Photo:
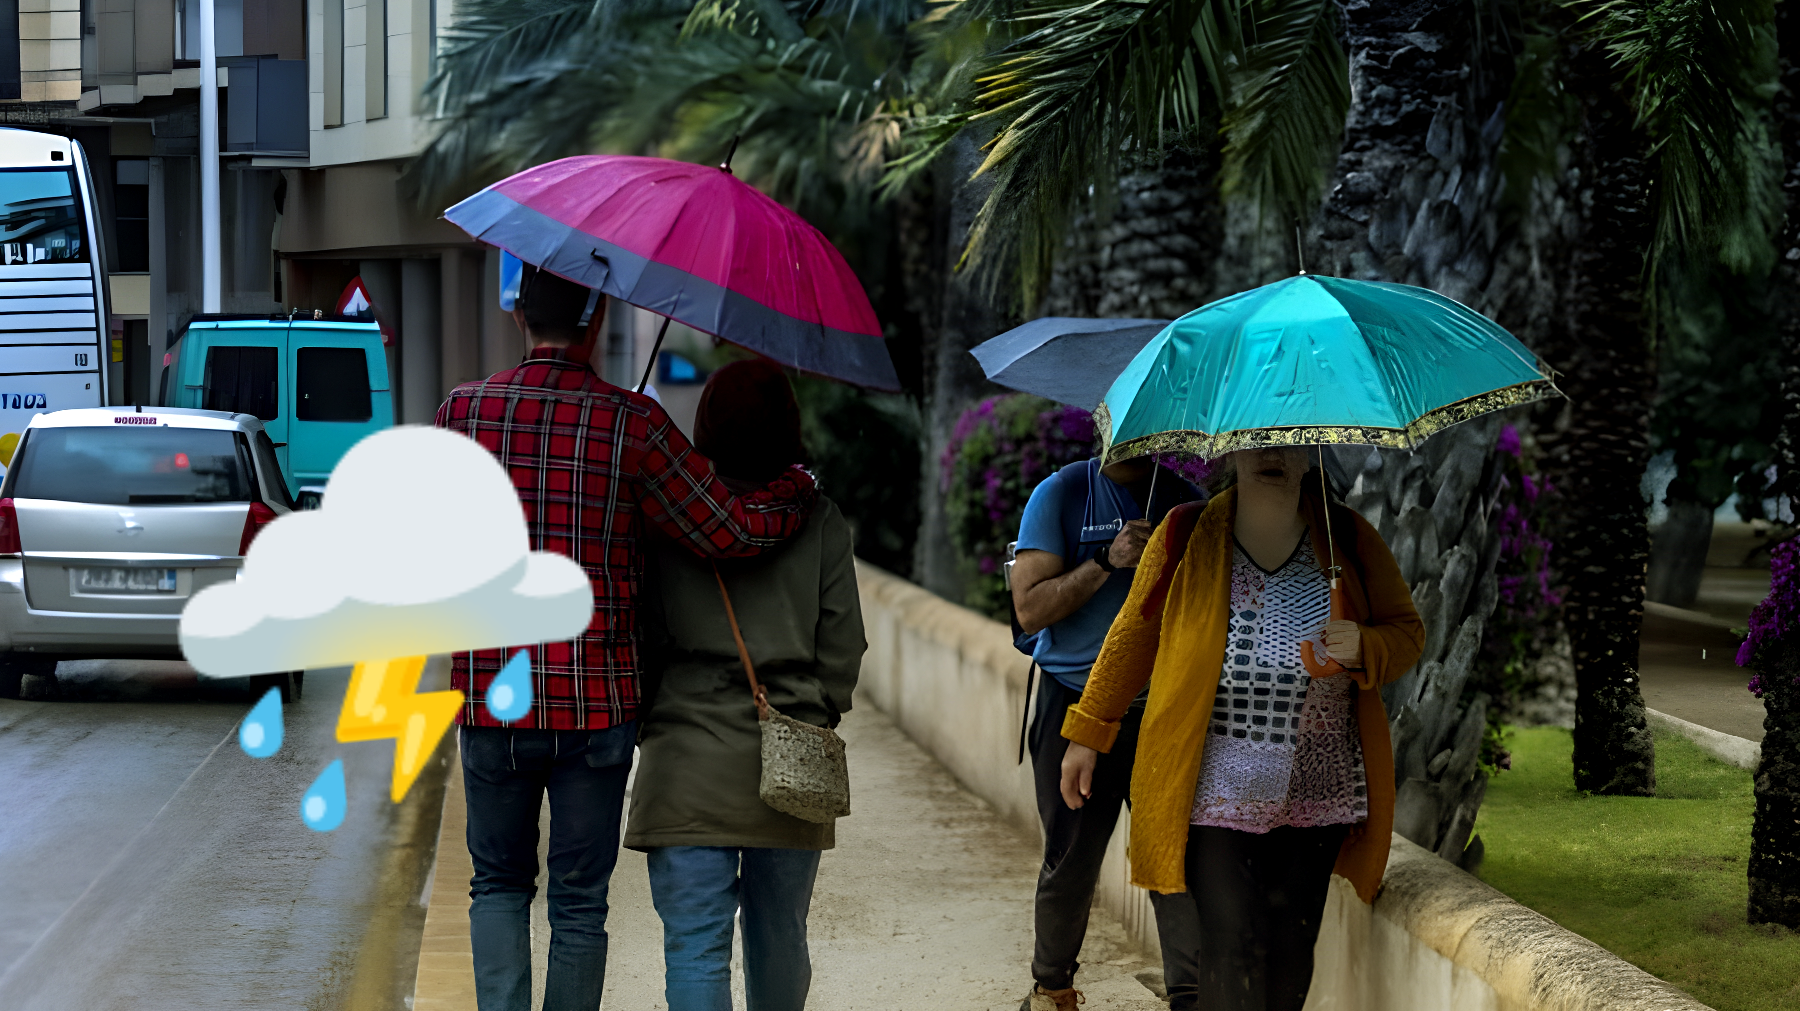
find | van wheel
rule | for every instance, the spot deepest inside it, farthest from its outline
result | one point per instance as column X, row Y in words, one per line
column 14, row 667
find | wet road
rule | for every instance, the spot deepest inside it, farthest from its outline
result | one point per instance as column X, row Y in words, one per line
column 147, row 863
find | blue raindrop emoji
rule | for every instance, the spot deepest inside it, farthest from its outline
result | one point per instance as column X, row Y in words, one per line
column 260, row 733
column 509, row 696
column 322, row 809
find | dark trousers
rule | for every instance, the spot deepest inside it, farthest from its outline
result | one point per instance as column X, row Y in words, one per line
column 1075, row 844
column 1256, row 901
column 505, row 776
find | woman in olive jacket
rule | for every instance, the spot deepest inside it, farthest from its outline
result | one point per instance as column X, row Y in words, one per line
column 714, row 847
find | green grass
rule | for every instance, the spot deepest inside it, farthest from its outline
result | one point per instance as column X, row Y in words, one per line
column 1658, row 881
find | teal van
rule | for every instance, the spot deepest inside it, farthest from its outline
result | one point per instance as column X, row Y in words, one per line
column 318, row 384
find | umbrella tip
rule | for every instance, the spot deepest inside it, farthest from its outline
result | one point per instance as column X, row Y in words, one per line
column 725, row 165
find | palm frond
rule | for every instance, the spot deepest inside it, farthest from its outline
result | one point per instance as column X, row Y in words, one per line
column 1285, row 117
column 1701, row 75
column 519, row 82
column 1073, row 87
column 1088, row 80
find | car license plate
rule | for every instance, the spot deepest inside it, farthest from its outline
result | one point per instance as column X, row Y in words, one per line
column 125, row 580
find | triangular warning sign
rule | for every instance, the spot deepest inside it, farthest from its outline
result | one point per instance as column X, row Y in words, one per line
column 355, row 301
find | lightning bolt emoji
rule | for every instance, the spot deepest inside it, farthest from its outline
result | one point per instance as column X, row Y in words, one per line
column 383, row 702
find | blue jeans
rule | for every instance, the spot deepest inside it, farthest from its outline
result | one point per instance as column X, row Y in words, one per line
column 505, row 775
column 699, row 889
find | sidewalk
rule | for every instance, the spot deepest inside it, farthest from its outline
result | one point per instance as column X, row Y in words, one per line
column 926, row 903
column 1688, row 657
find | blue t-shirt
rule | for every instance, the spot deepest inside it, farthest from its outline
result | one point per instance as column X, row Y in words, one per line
column 1075, row 513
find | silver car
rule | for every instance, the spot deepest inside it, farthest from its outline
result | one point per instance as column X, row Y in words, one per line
column 111, row 518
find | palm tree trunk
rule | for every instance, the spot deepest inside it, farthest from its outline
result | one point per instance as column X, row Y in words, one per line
column 1598, row 460
column 1774, row 867
column 1150, row 255
column 967, row 315
column 1414, row 198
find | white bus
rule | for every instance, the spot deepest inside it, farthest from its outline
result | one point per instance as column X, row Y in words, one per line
column 53, row 297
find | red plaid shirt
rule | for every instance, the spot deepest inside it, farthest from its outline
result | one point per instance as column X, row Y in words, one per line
column 592, row 464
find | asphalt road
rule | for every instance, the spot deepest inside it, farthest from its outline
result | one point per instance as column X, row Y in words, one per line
column 146, row 862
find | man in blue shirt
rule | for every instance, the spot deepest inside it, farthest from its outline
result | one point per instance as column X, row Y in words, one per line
column 1080, row 539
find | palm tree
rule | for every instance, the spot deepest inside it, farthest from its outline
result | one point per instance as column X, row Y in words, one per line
column 1669, row 157
column 1414, row 196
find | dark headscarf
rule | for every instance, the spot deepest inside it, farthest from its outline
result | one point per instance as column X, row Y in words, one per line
column 748, row 422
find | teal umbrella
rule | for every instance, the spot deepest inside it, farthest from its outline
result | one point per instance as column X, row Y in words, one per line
column 1312, row 360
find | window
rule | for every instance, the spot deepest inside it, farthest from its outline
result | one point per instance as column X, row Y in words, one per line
column 131, row 202
column 9, row 50
column 132, row 465
column 162, row 393
column 332, row 384
column 375, row 96
column 334, row 62
column 40, row 218
column 242, row 380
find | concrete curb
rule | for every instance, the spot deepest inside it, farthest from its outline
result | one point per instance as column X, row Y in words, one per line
column 1528, row 960
column 1745, row 754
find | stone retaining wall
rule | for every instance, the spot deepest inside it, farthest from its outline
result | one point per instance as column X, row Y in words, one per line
column 1437, row 939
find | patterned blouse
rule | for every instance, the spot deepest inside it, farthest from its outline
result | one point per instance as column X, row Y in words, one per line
column 1282, row 748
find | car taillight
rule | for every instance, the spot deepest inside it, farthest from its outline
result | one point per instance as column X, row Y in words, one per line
column 260, row 516
column 9, row 528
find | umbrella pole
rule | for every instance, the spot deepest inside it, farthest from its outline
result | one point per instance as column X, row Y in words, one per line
column 1330, row 546
column 651, row 365
column 1325, row 499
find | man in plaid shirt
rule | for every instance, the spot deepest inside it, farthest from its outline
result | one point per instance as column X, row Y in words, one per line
column 595, row 466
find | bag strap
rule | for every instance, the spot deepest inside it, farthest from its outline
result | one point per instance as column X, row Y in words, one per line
column 1025, row 720
column 756, row 689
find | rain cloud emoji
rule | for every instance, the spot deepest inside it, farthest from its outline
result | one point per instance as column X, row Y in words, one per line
column 419, row 547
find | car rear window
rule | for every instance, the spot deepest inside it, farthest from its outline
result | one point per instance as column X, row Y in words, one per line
column 243, row 381
column 131, row 465
column 331, row 384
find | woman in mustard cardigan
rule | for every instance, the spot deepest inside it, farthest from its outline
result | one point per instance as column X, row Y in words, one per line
column 1264, row 762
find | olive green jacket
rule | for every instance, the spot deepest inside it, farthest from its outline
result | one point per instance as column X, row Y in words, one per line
column 700, row 746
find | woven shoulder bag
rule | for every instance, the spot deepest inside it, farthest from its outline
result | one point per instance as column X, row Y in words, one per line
column 804, row 773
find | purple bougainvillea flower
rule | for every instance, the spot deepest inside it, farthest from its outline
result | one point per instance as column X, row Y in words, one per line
column 1508, row 442
column 1777, row 617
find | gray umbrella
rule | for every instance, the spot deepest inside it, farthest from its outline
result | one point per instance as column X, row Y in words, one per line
column 1071, row 361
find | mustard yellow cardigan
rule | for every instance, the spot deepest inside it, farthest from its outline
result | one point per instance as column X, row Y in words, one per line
column 1179, row 649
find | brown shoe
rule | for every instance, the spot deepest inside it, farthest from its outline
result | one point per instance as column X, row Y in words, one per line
column 1040, row 999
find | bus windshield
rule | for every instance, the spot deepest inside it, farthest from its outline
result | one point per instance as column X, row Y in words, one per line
column 40, row 219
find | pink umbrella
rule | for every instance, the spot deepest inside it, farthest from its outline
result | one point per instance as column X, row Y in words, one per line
column 696, row 244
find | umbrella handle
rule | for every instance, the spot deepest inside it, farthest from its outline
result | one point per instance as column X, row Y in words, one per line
column 654, row 348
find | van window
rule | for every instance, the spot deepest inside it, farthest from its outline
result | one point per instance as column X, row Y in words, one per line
column 131, row 465
column 243, row 381
column 332, row 384
column 162, row 392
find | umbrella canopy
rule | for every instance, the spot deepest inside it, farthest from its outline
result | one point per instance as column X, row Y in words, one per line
column 1071, row 361
column 693, row 243
column 1315, row 360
